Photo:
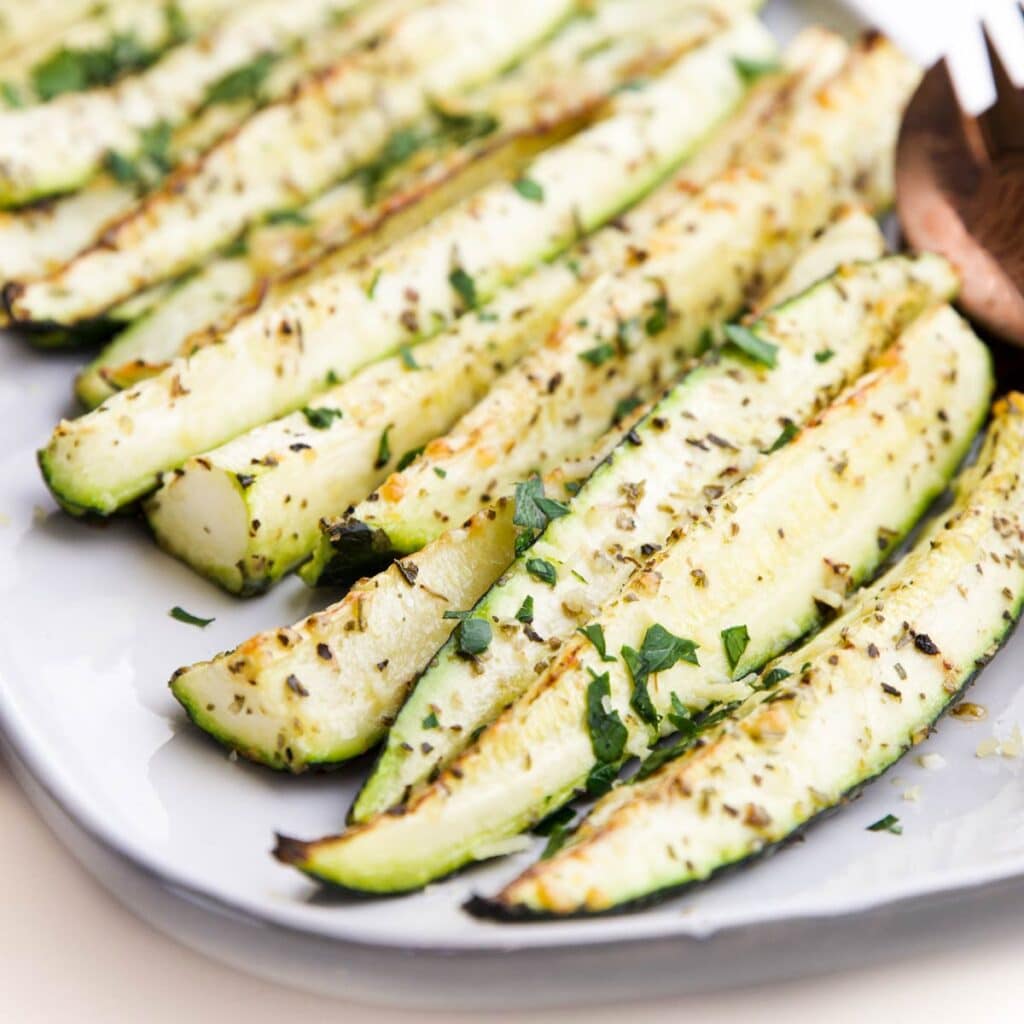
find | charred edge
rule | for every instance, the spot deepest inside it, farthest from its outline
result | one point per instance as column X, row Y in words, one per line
column 287, row 850
column 494, row 909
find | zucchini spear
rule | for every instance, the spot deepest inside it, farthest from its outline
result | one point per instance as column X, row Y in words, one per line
column 114, row 40
column 292, row 150
column 488, row 134
column 824, row 721
column 39, row 239
column 708, row 428
column 633, row 329
column 59, row 146
column 355, row 694
column 275, row 363
column 733, row 589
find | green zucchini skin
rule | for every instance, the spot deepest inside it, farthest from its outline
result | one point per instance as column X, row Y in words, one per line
column 726, row 399
column 275, row 362
column 984, row 524
column 537, row 754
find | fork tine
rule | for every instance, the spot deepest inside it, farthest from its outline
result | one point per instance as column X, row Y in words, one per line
column 1002, row 125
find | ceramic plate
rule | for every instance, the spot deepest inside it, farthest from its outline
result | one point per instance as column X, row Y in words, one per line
column 87, row 647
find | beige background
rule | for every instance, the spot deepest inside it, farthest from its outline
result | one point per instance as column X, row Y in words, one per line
column 70, row 954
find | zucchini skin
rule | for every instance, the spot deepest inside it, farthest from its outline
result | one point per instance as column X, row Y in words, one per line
column 703, row 264
column 539, row 752
column 274, row 363
column 996, row 501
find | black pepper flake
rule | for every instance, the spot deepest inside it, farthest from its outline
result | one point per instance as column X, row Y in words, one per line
column 892, row 691
column 299, row 446
column 409, row 571
column 872, row 651
column 293, row 684
column 324, row 651
column 245, row 479
column 924, row 643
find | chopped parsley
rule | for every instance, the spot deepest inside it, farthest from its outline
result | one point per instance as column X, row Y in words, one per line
column 530, row 189
column 601, row 779
column 599, row 354
column 773, row 678
column 188, row 618
column 789, row 431
column 442, row 473
column 321, row 418
column 735, row 640
column 658, row 320
column 465, row 286
column 473, row 636
column 78, row 69
column 890, row 823
column 431, row 721
column 408, row 358
column 384, row 448
column 681, row 719
column 750, row 344
column 533, row 511
column 294, row 217
column 640, row 699
column 824, row 355
column 624, row 407
column 409, row 458
column 659, row 651
column 244, row 83
column 595, row 634
column 556, row 840
column 608, row 734
column 543, row 570
column 400, row 146
column 525, row 613
column 149, row 164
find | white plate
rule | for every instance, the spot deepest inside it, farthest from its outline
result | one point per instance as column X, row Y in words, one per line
column 86, row 648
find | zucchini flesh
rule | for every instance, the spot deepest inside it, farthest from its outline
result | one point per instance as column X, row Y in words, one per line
column 275, row 364
column 877, row 456
column 57, row 147
column 632, row 330
column 248, row 512
column 707, row 428
column 351, row 221
column 859, row 695
column 290, row 151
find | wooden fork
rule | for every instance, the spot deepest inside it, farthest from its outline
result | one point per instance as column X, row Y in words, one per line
column 960, row 191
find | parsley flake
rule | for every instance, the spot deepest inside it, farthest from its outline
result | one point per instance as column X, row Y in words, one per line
column 598, row 355
column 525, row 613
column 543, row 570
column 890, row 823
column 188, row 618
column 595, row 634
column 431, row 721
column 321, row 418
column 473, row 636
column 608, row 734
column 789, row 431
column 530, row 189
column 824, row 355
column 735, row 640
column 465, row 287
column 384, row 448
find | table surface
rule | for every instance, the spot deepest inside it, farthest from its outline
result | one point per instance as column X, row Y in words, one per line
column 70, row 954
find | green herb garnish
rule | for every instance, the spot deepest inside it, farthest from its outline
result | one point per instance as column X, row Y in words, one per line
column 640, row 699
column 321, row 418
column 525, row 613
column 789, row 431
column 431, row 721
column 409, row 458
column 601, row 779
column 465, row 286
column 75, row 70
column 599, row 354
column 543, row 570
column 658, row 320
column 824, row 355
column 243, row 83
column 750, row 70
column 384, row 448
column 595, row 634
column 624, row 407
column 473, row 636
column 296, row 217
column 529, row 189
column 890, row 823
column 735, row 640
column 188, row 618
column 608, row 734
column 750, row 344
column 557, row 818
column 408, row 358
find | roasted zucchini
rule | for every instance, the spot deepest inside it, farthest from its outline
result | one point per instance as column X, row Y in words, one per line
column 824, row 721
column 631, row 331
column 733, row 589
column 708, row 429
column 276, row 363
